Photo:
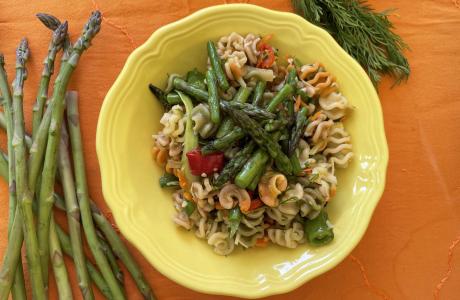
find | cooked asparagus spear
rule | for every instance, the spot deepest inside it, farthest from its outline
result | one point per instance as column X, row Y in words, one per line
column 23, row 193
column 300, row 124
column 48, row 68
column 49, row 168
column 83, row 198
column 262, row 138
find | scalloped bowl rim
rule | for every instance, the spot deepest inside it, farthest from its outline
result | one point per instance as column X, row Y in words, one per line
column 124, row 224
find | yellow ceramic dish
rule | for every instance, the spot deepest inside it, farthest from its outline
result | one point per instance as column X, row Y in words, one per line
column 143, row 211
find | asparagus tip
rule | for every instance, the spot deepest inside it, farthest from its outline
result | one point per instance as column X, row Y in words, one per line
column 48, row 20
column 22, row 53
column 60, row 34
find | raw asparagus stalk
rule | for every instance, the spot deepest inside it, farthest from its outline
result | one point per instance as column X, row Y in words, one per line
column 48, row 68
column 122, row 252
column 18, row 288
column 90, row 30
column 73, row 216
column 96, row 277
column 12, row 259
column 83, row 198
column 104, row 225
column 59, row 268
column 53, row 23
column 23, row 193
column 112, row 260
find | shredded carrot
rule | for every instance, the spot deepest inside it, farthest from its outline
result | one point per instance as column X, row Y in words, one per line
column 188, row 196
column 298, row 102
column 182, row 179
column 262, row 242
column 236, row 71
column 162, row 156
column 264, row 40
column 244, row 204
column 316, row 115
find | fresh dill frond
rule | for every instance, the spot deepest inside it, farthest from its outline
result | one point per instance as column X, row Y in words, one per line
column 365, row 34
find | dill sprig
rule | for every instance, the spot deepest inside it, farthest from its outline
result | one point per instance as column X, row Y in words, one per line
column 365, row 34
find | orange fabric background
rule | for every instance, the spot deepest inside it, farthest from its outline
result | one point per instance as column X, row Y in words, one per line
column 409, row 249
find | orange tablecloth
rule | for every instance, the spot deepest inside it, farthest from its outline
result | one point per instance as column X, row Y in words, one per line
column 410, row 249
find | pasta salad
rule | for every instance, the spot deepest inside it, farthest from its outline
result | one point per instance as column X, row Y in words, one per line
column 250, row 146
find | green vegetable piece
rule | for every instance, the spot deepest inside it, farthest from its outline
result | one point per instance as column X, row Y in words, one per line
column 189, row 207
column 296, row 167
column 190, row 139
column 303, row 95
column 213, row 99
column 160, row 95
column 173, row 98
column 190, row 90
column 258, row 97
column 196, row 79
column 223, row 143
column 285, row 92
column 292, row 77
column 299, row 129
column 227, row 125
column 168, row 180
column 217, row 66
column 256, row 180
column 318, row 231
column 234, row 165
column 234, row 219
column 262, row 138
column 252, row 168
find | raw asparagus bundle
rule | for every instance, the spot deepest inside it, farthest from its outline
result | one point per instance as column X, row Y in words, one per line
column 33, row 162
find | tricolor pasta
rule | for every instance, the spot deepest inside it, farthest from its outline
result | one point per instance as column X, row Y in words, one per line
column 252, row 146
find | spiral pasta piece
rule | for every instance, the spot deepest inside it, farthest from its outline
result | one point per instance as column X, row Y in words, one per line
column 334, row 105
column 174, row 122
column 201, row 117
column 339, row 148
column 222, row 243
column 271, row 185
column 250, row 47
column 288, row 238
column 311, row 203
column 228, row 44
column 231, row 194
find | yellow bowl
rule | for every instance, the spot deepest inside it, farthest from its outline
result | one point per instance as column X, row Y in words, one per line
column 143, row 211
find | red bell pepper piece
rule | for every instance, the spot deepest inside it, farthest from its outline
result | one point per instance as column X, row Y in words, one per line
column 207, row 164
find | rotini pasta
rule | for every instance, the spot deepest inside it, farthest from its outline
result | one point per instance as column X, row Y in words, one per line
column 288, row 238
column 202, row 120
